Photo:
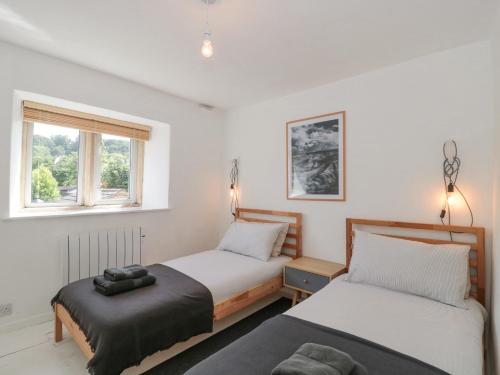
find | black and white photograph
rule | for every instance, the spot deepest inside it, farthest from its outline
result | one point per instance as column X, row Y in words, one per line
column 315, row 158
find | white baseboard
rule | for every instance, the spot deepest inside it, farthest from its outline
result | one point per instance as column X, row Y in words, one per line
column 26, row 322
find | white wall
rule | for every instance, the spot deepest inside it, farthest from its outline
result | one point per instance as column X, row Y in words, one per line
column 29, row 254
column 495, row 264
column 397, row 120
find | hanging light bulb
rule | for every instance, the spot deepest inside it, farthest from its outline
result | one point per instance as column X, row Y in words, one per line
column 452, row 199
column 451, row 196
column 207, row 50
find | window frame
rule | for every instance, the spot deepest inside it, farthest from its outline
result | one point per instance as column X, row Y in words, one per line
column 88, row 172
column 132, row 197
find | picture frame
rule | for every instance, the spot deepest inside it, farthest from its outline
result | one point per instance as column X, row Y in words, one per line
column 315, row 158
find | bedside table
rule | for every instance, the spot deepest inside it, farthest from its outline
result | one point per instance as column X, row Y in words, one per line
column 308, row 275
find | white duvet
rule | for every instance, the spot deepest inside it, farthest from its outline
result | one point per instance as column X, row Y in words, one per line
column 444, row 336
column 225, row 273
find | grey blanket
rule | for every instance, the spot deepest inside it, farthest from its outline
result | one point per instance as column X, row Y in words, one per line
column 275, row 340
column 315, row 359
column 125, row 328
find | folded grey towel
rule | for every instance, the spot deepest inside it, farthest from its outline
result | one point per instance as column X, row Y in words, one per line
column 315, row 359
column 128, row 272
column 108, row 288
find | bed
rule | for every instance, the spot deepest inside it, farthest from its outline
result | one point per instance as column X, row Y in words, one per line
column 226, row 274
column 390, row 332
column 234, row 282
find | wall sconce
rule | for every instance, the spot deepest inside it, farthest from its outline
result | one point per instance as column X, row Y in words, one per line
column 453, row 194
column 234, row 176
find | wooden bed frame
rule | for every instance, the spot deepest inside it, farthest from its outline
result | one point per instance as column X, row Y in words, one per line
column 292, row 247
column 476, row 256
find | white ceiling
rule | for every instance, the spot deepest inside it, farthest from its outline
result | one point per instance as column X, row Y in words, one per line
column 263, row 48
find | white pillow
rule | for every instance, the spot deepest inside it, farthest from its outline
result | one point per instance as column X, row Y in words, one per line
column 280, row 240
column 438, row 272
column 251, row 239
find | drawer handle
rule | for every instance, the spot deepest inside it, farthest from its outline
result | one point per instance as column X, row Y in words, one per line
column 306, row 281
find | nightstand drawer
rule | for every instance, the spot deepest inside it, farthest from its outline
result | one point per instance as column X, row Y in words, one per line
column 307, row 281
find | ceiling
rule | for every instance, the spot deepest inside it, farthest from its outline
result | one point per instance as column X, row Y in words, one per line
column 263, row 48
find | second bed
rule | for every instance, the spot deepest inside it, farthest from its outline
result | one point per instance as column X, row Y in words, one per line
column 390, row 332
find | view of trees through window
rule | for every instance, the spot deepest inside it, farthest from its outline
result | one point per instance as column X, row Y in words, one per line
column 55, row 162
column 114, row 168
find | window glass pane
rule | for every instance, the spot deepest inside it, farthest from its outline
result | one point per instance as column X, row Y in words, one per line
column 114, row 168
column 54, row 164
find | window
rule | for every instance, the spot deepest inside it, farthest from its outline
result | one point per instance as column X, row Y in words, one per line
column 74, row 159
column 114, row 168
column 54, row 165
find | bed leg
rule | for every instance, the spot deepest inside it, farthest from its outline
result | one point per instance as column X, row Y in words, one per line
column 58, row 333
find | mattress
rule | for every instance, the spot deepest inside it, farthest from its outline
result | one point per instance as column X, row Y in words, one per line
column 226, row 274
column 444, row 336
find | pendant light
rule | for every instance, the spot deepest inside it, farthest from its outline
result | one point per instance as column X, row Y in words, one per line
column 207, row 50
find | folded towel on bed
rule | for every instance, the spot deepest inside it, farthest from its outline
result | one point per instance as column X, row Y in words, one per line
column 315, row 359
column 128, row 272
column 108, row 288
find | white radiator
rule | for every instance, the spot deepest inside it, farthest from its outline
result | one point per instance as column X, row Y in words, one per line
column 88, row 254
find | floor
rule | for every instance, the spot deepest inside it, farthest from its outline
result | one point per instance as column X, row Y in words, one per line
column 182, row 362
column 32, row 350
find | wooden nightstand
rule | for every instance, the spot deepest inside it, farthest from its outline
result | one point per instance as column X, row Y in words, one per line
column 308, row 275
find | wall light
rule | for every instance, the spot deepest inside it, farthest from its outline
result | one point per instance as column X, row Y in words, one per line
column 234, row 176
column 453, row 194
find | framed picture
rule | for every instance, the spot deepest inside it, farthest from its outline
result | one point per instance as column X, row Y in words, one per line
column 316, row 158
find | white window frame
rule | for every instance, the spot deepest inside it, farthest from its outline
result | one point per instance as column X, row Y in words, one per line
column 88, row 174
column 28, row 128
column 132, row 198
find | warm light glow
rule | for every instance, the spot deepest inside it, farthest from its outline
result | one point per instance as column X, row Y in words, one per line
column 207, row 50
column 452, row 199
column 234, row 192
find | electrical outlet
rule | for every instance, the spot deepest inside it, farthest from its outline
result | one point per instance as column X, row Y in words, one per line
column 6, row 309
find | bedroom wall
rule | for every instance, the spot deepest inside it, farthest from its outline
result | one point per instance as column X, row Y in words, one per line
column 495, row 264
column 397, row 120
column 29, row 254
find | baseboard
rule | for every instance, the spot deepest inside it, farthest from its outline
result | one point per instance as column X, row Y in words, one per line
column 26, row 322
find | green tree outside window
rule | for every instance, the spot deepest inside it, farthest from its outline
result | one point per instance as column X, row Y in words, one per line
column 43, row 185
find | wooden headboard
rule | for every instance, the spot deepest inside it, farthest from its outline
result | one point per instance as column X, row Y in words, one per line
column 477, row 253
column 293, row 243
